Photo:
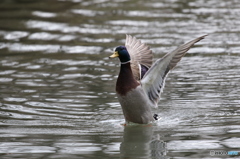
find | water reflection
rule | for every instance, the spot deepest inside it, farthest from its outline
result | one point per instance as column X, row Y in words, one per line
column 14, row 35
column 44, row 14
column 139, row 142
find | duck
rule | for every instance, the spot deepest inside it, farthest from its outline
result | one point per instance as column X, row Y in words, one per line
column 140, row 81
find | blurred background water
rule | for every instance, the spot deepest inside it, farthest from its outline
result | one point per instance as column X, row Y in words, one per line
column 57, row 96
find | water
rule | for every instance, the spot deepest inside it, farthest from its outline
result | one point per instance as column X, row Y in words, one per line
column 57, row 84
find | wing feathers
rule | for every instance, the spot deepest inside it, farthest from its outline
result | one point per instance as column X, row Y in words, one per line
column 154, row 80
column 140, row 53
column 181, row 51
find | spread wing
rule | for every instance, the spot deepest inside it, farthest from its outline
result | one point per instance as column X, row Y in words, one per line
column 153, row 81
column 141, row 55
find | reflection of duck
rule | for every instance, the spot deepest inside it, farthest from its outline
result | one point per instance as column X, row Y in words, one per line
column 138, row 142
column 140, row 83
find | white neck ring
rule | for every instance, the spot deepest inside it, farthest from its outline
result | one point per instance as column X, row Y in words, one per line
column 125, row 62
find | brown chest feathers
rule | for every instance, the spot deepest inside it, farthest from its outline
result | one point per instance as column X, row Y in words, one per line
column 125, row 81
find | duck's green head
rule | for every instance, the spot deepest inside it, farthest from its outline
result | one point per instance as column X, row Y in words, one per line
column 122, row 53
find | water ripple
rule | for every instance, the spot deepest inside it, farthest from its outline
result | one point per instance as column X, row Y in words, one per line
column 57, row 84
column 44, row 14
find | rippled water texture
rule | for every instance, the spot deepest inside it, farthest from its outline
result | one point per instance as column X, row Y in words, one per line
column 57, row 96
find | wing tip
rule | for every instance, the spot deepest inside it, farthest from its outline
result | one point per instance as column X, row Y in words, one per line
column 127, row 36
column 201, row 37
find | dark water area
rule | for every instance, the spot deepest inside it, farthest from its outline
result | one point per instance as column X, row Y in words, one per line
column 57, row 95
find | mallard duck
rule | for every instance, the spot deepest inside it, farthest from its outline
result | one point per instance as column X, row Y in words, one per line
column 140, row 82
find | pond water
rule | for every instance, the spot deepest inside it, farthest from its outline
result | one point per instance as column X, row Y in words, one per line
column 57, row 95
